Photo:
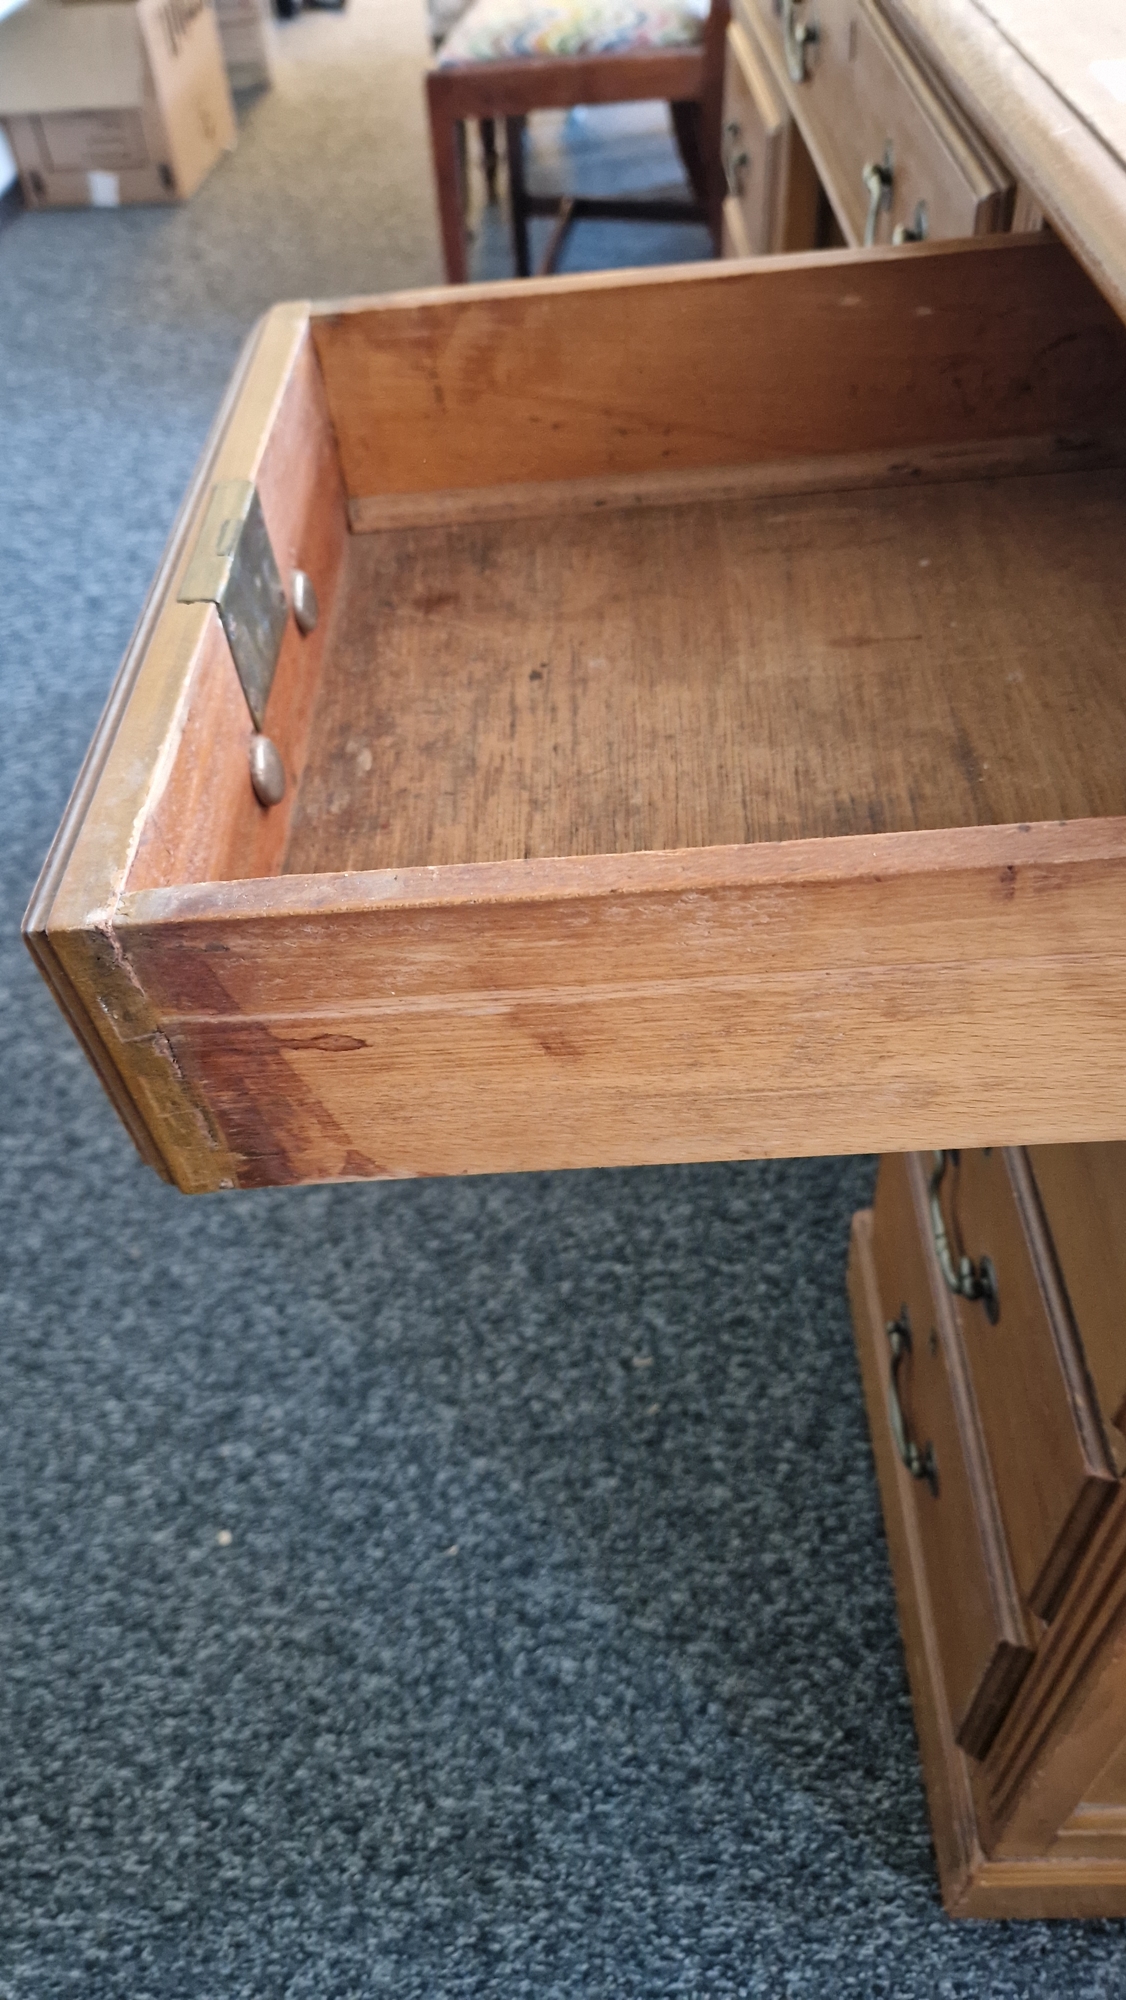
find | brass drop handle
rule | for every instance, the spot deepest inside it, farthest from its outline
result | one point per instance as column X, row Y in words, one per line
column 735, row 163
column 965, row 1279
column 916, row 231
column 797, row 37
column 920, row 1464
column 879, row 179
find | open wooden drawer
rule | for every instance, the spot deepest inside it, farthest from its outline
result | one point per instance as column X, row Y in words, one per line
column 713, row 742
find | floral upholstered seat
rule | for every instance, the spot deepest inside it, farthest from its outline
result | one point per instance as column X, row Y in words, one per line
column 505, row 30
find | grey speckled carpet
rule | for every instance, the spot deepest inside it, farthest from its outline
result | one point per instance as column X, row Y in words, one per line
column 422, row 1590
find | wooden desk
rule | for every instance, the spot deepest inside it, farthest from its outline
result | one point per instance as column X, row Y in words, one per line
column 1047, row 86
column 998, row 1446
column 711, row 744
column 1016, row 94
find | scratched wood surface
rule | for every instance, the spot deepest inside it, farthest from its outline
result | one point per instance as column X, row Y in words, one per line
column 749, row 671
column 205, row 824
column 741, row 679
column 794, row 997
column 620, row 373
column 68, row 923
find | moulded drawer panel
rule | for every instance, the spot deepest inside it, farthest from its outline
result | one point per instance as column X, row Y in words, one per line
column 1083, row 1193
column 983, row 1637
column 865, row 103
column 734, row 241
column 1040, row 1419
column 755, row 123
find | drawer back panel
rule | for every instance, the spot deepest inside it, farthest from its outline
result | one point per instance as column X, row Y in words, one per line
column 630, row 376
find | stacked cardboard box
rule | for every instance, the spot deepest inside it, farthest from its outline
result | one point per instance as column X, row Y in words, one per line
column 246, row 33
column 113, row 101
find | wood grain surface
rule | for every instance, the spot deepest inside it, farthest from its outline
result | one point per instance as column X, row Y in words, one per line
column 1098, row 1824
column 804, row 997
column 621, row 373
column 756, row 129
column 1038, row 1414
column 72, row 1000
column 68, row 924
column 758, row 670
column 505, row 89
column 1083, row 1191
column 864, row 91
column 1069, row 1716
column 1079, row 51
column 205, row 824
column 1062, row 1881
column 1019, row 82
column 985, row 1638
column 559, row 959
column 549, row 499
column 949, row 1799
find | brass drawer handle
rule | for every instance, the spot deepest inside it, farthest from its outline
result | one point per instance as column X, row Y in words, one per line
column 879, row 179
column 916, row 232
column 735, row 164
column 965, row 1279
column 797, row 37
column 920, row 1464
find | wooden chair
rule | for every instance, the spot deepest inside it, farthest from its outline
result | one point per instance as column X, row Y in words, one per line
column 444, row 16
column 501, row 61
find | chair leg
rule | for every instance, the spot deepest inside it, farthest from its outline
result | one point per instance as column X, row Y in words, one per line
column 489, row 149
column 450, row 183
column 517, row 191
column 687, row 124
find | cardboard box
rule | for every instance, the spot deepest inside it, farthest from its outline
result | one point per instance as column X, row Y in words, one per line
column 246, row 32
column 246, row 37
column 113, row 102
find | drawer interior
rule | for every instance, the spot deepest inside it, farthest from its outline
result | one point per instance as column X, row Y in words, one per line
column 818, row 546
column 722, row 671
column 710, row 744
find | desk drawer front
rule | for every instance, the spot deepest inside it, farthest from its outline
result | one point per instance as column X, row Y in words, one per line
column 755, row 124
column 1038, row 1412
column 645, row 797
column 1082, row 1190
column 984, row 1640
column 897, row 159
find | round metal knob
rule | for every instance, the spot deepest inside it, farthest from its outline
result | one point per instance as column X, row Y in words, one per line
column 267, row 772
column 306, row 610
